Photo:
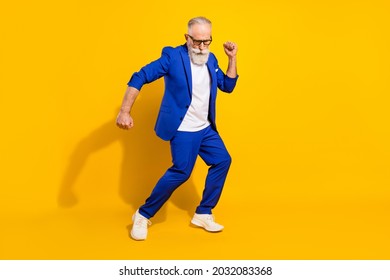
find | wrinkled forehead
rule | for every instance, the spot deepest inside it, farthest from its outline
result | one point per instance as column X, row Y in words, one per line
column 200, row 30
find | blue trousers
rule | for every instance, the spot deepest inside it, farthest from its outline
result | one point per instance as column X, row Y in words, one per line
column 185, row 147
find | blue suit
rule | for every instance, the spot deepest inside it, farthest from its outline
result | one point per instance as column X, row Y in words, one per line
column 174, row 65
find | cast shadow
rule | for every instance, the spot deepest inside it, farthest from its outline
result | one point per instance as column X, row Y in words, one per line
column 145, row 159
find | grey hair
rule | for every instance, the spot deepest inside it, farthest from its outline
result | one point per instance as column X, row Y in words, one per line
column 198, row 20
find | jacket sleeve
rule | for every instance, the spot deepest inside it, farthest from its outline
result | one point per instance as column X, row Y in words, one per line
column 151, row 71
column 225, row 83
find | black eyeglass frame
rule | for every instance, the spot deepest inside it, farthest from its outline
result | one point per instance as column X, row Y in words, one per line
column 199, row 42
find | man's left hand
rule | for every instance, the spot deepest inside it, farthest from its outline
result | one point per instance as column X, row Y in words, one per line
column 230, row 49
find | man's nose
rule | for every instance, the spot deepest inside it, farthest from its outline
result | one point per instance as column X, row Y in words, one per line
column 202, row 46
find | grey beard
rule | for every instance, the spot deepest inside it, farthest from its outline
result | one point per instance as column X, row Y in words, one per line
column 199, row 57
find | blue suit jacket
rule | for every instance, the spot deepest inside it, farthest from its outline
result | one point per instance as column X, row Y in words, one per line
column 174, row 65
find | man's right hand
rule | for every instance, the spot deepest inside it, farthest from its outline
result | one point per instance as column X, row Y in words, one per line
column 124, row 120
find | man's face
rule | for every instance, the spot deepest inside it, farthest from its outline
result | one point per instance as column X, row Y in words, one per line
column 198, row 41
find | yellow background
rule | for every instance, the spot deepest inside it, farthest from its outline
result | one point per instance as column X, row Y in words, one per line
column 307, row 127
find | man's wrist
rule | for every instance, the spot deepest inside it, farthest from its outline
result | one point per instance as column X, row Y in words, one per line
column 125, row 111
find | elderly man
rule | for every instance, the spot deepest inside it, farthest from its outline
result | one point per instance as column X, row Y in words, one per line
column 186, row 119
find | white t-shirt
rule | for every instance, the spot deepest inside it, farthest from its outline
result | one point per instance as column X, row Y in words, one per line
column 196, row 117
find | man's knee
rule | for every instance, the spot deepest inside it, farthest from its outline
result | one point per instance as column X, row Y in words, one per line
column 225, row 161
column 183, row 176
column 180, row 175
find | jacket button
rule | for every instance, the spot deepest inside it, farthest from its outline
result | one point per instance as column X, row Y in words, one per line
column 181, row 118
column 187, row 106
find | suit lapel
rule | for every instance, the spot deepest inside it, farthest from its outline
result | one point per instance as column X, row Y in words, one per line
column 213, row 78
column 211, row 68
column 187, row 68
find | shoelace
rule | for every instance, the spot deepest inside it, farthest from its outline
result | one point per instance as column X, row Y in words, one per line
column 211, row 218
column 142, row 222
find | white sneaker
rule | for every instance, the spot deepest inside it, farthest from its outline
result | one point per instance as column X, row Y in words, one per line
column 140, row 227
column 207, row 222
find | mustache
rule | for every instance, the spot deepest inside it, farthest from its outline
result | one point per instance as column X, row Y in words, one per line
column 200, row 52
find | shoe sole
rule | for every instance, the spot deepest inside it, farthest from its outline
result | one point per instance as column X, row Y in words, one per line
column 201, row 224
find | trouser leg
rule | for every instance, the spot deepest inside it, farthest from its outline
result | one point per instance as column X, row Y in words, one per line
column 214, row 153
column 184, row 149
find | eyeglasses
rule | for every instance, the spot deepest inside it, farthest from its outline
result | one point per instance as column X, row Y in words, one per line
column 199, row 42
